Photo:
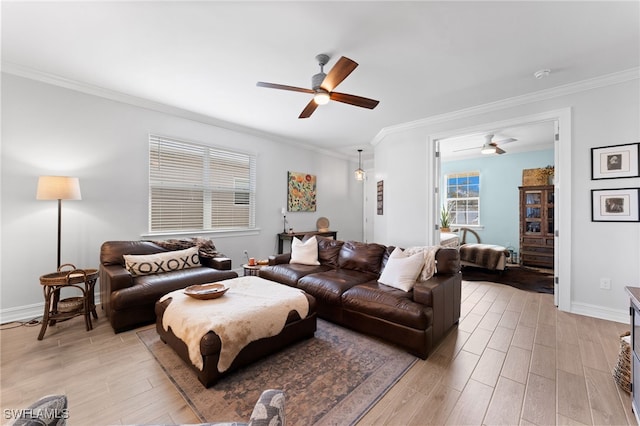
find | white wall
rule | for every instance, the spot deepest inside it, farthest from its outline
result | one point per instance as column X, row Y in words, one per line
column 50, row 130
column 601, row 116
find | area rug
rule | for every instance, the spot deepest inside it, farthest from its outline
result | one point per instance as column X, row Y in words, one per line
column 521, row 277
column 333, row 378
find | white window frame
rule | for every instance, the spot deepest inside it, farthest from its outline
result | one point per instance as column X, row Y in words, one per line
column 196, row 176
column 449, row 200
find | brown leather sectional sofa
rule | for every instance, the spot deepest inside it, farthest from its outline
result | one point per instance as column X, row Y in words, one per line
column 347, row 292
column 129, row 301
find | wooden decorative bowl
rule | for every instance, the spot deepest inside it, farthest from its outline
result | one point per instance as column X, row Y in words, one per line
column 206, row 291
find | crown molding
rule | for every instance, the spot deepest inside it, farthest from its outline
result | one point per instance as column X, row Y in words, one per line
column 78, row 86
column 555, row 92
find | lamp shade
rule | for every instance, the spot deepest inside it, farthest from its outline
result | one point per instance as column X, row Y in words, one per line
column 58, row 188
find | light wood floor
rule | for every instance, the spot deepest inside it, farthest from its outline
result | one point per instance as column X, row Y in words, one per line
column 514, row 359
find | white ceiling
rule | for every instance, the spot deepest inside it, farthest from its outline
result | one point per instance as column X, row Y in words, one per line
column 418, row 58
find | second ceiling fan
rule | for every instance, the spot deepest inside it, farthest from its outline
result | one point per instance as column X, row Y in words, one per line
column 490, row 146
column 322, row 86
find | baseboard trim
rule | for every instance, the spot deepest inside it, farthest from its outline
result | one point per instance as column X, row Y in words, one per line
column 28, row 312
column 589, row 310
column 22, row 313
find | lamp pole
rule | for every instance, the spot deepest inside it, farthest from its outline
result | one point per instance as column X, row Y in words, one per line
column 59, row 227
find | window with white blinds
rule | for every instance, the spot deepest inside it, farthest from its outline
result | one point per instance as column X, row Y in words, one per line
column 196, row 187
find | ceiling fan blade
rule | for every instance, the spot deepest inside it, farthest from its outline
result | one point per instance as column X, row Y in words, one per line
column 338, row 73
column 499, row 150
column 503, row 141
column 467, row 149
column 354, row 100
column 308, row 110
column 283, row 87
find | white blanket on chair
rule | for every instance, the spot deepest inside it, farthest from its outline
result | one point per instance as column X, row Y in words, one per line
column 252, row 308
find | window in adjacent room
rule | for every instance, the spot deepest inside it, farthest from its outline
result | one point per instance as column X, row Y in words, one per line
column 463, row 198
column 195, row 187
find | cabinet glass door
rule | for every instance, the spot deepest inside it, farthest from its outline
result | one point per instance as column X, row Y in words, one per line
column 533, row 212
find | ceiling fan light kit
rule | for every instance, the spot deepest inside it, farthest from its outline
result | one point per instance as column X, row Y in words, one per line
column 321, row 97
column 322, row 86
column 488, row 149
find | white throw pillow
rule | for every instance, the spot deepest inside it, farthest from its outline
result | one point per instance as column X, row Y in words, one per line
column 304, row 253
column 401, row 270
column 157, row 263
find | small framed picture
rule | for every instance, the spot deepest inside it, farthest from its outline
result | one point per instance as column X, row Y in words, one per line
column 615, row 205
column 616, row 161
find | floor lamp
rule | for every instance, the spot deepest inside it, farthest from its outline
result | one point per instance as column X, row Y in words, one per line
column 58, row 188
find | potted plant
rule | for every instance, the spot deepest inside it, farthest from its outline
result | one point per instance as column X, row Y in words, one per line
column 445, row 219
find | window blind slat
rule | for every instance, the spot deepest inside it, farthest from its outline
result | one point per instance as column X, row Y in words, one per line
column 198, row 187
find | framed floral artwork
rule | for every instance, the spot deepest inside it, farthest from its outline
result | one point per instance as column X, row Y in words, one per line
column 616, row 161
column 301, row 192
column 615, row 205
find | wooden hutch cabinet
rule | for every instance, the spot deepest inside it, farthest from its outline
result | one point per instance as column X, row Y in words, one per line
column 536, row 226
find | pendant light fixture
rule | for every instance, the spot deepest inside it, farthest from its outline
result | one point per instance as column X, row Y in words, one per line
column 359, row 172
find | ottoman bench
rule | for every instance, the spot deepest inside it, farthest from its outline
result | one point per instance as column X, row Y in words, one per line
column 202, row 332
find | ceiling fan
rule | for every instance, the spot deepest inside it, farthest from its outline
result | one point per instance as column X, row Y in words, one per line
column 490, row 146
column 322, row 86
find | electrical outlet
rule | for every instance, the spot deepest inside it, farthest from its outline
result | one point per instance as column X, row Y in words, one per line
column 605, row 283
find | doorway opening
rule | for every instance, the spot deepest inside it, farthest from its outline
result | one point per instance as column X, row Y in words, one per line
column 527, row 143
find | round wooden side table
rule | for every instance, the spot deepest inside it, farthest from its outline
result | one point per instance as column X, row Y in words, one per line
column 61, row 310
column 251, row 270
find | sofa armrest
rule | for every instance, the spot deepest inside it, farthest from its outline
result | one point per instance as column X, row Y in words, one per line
column 115, row 277
column 443, row 293
column 219, row 263
column 278, row 259
column 269, row 410
column 447, row 260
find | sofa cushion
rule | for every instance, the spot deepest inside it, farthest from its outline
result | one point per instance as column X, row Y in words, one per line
column 402, row 270
column 304, row 253
column 364, row 257
column 206, row 247
column 147, row 289
column 111, row 251
column 162, row 262
column 328, row 286
column 328, row 251
column 391, row 304
column 289, row 273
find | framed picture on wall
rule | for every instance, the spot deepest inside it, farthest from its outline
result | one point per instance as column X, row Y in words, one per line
column 615, row 205
column 301, row 192
column 380, row 196
column 616, row 161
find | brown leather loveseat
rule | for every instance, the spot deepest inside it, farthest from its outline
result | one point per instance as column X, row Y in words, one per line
column 128, row 300
column 347, row 292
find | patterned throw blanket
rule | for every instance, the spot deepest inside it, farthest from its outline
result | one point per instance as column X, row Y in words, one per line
column 252, row 308
column 485, row 255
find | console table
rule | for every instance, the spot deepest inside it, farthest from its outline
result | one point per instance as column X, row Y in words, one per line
column 289, row 236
